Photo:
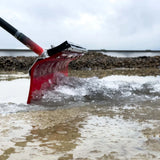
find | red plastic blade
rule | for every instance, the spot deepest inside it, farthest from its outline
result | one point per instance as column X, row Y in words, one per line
column 46, row 74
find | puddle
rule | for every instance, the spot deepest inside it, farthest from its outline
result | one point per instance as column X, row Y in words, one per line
column 109, row 118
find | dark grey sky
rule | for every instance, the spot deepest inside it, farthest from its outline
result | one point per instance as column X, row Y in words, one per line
column 94, row 24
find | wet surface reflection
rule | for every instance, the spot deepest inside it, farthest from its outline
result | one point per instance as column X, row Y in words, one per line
column 81, row 133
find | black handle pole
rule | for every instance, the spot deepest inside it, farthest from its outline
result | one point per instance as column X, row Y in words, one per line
column 21, row 37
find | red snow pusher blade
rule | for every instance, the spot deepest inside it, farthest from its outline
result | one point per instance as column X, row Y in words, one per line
column 47, row 73
column 51, row 65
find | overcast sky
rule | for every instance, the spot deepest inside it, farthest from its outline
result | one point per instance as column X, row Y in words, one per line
column 94, row 24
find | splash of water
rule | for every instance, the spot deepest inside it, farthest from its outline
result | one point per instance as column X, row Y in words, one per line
column 111, row 90
column 72, row 91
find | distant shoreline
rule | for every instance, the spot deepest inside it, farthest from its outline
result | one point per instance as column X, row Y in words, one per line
column 104, row 50
column 90, row 50
column 90, row 61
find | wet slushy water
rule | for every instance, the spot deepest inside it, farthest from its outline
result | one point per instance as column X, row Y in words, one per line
column 106, row 118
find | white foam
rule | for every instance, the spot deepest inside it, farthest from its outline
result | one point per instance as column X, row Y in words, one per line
column 113, row 83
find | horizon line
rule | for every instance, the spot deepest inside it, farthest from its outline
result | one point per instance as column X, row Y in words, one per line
column 96, row 50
